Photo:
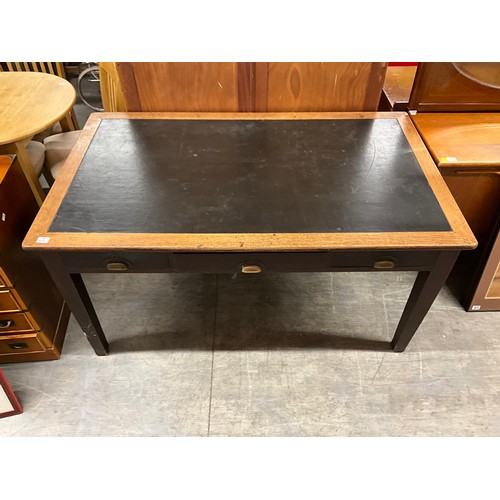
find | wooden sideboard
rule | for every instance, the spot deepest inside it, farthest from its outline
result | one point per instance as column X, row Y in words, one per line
column 33, row 315
column 485, row 296
column 250, row 86
column 458, row 117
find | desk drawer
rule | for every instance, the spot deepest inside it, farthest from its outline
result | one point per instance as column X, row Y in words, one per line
column 16, row 322
column 381, row 260
column 302, row 261
column 9, row 302
column 116, row 261
column 15, row 344
column 4, row 282
column 250, row 262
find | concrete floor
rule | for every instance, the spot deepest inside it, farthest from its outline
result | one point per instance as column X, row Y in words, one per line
column 268, row 355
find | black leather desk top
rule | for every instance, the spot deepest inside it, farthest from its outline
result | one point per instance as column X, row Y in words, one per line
column 249, row 176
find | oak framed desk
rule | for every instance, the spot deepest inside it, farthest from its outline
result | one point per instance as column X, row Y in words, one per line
column 249, row 193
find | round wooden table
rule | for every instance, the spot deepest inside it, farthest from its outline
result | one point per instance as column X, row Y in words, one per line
column 29, row 103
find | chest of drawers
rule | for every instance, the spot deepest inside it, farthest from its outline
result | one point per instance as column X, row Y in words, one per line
column 33, row 316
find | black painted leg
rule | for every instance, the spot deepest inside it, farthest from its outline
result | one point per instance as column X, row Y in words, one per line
column 424, row 291
column 75, row 294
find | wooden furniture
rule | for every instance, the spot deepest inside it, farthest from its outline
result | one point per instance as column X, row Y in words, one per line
column 466, row 148
column 485, row 296
column 52, row 68
column 51, row 163
column 111, row 91
column 30, row 103
column 453, row 87
column 246, row 87
column 397, row 88
column 33, row 317
column 249, row 193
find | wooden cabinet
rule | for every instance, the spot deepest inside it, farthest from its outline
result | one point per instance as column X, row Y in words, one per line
column 447, row 86
column 456, row 109
column 250, row 86
column 485, row 296
column 33, row 316
column 397, row 88
column 312, row 86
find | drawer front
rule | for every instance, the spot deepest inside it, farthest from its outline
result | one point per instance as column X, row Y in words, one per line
column 235, row 262
column 16, row 322
column 383, row 260
column 8, row 302
column 16, row 344
column 116, row 261
column 303, row 262
column 4, row 282
column 250, row 262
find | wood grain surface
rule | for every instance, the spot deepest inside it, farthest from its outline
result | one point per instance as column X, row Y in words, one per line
column 251, row 86
column 466, row 147
column 461, row 139
column 316, row 86
column 443, row 86
column 180, row 86
column 31, row 102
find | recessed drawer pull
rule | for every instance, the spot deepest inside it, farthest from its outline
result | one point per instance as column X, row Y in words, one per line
column 6, row 323
column 384, row 264
column 116, row 266
column 18, row 345
column 251, row 268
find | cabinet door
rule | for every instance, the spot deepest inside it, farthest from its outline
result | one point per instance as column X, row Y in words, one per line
column 486, row 294
column 447, row 86
column 180, row 86
column 247, row 87
column 316, row 86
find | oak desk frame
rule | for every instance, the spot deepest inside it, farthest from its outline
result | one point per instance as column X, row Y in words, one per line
column 67, row 255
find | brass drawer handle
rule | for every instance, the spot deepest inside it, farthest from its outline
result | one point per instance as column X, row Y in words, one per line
column 6, row 323
column 18, row 345
column 116, row 266
column 251, row 268
column 384, row 264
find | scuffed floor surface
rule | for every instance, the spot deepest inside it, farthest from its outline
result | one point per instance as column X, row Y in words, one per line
column 269, row 355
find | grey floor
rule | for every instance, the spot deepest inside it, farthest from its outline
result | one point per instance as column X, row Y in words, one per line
column 267, row 355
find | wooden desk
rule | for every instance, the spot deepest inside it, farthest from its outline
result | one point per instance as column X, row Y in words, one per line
column 30, row 103
column 241, row 193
